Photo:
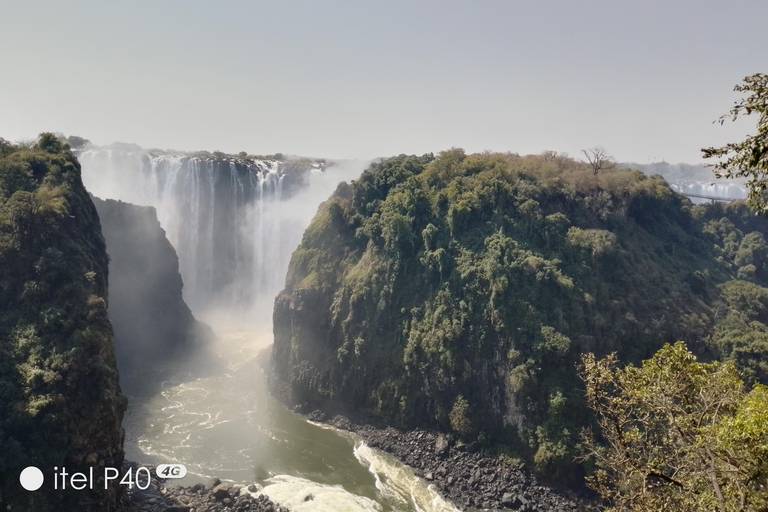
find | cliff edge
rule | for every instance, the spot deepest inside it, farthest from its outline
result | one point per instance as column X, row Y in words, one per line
column 152, row 323
column 60, row 400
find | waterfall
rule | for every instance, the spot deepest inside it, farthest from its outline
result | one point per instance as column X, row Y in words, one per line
column 232, row 221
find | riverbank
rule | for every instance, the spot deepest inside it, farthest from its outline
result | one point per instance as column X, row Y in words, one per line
column 469, row 480
column 213, row 496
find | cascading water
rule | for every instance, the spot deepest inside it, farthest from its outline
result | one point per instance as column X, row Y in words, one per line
column 207, row 207
column 234, row 223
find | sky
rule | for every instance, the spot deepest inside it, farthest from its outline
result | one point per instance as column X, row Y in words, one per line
column 364, row 79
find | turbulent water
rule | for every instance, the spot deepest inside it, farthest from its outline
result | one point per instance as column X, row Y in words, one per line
column 234, row 231
column 228, row 426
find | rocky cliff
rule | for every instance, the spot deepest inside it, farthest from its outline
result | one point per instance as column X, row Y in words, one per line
column 457, row 293
column 217, row 211
column 152, row 323
column 60, row 401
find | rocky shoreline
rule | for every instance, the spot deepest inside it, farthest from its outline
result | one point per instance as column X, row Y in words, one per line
column 469, row 480
column 213, row 496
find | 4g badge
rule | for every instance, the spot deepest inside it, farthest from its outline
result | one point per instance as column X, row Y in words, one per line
column 171, row 471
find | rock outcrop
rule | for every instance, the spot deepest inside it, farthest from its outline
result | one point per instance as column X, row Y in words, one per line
column 60, row 399
column 152, row 323
column 457, row 293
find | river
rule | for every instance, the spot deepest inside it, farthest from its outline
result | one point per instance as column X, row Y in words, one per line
column 227, row 425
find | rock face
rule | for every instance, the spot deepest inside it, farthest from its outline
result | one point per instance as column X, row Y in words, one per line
column 60, row 400
column 152, row 322
column 214, row 207
column 458, row 292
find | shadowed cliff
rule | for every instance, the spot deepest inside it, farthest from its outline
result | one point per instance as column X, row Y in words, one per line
column 153, row 325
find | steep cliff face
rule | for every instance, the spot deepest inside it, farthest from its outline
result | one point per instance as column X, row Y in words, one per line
column 60, row 400
column 458, row 293
column 215, row 208
column 152, row 323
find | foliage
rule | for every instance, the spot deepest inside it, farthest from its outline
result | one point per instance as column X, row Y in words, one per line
column 59, row 393
column 460, row 417
column 484, row 276
column 678, row 434
column 73, row 141
column 748, row 158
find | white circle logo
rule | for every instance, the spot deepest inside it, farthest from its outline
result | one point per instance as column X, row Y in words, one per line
column 31, row 478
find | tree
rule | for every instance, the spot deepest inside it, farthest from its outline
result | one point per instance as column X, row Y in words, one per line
column 599, row 159
column 48, row 142
column 749, row 158
column 76, row 142
column 678, row 434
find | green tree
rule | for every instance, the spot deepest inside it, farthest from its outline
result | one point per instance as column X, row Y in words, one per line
column 49, row 143
column 748, row 158
column 678, row 434
column 460, row 417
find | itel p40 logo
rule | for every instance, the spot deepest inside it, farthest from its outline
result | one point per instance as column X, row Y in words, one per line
column 32, row 478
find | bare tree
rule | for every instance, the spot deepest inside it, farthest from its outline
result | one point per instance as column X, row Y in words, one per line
column 599, row 159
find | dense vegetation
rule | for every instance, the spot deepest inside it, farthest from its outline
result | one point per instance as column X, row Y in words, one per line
column 679, row 435
column 458, row 291
column 60, row 401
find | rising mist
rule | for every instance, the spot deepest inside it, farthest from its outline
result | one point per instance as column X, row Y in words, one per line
column 234, row 222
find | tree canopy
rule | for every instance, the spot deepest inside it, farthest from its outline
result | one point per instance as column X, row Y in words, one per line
column 679, row 434
column 748, row 158
column 441, row 289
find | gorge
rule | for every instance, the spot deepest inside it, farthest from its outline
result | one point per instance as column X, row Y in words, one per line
column 426, row 293
column 222, row 422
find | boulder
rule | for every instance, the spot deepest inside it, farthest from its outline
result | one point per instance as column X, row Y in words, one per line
column 441, row 446
column 221, row 491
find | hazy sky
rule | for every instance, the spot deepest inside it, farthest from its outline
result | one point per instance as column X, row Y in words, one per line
column 356, row 78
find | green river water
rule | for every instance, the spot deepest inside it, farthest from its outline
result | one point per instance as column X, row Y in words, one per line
column 227, row 425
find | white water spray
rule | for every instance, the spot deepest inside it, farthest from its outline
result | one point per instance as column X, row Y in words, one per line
column 229, row 218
